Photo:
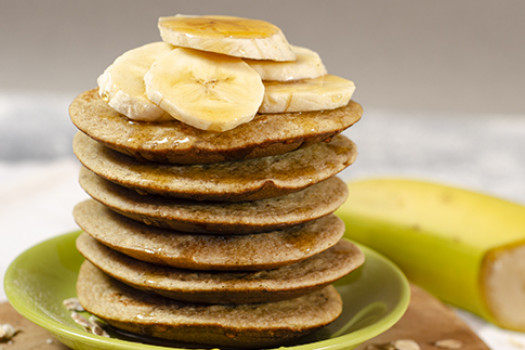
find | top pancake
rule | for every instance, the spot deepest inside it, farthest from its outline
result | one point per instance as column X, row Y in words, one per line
column 175, row 142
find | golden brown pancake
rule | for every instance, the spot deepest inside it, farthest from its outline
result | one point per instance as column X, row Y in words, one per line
column 286, row 282
column 228, row 181
column 218, row 217
column 244, row 325
column 257, row 251
column 175, row 142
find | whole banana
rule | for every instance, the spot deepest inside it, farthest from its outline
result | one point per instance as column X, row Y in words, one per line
column 465, row 247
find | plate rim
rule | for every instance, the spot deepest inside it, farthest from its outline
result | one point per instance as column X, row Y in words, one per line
column 65, row 331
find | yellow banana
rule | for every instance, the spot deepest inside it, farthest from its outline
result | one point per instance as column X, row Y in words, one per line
column 465, row 247
column 122, row 83
column 307, row 65
column 233, row 36
column 205, row 90
column 325, row 92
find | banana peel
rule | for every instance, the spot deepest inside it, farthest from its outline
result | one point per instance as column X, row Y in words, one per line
column 464, row 247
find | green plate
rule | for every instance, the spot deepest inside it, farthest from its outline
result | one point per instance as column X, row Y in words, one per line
column 374, row 297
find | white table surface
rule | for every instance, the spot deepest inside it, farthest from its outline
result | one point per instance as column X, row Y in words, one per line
column 38, row 174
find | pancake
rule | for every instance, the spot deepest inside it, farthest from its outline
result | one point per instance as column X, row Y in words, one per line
column 229, row 181
column 286, row 282
column 245, row 325
column 257, row 251
column 175, row 142
column 218, row 217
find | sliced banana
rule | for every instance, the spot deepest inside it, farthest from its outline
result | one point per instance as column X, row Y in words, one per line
column 325, row 92
column 122, row 83
column 234, row 36
column 307, row 65
column 206, row 90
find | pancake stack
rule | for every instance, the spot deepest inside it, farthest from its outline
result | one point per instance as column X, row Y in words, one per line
column 215, row 233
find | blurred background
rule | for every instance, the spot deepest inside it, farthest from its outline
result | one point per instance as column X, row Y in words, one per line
column 441, row 83
column 446, row 56
column 452, row 55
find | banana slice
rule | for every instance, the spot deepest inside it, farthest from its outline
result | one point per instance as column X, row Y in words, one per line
column 326, row 92
column 234, row 36
column 122, row 83
column 205, row 90
column 307, row 65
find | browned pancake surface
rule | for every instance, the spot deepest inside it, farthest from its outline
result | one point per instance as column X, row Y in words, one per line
column 245, row 325
column 208, row 252
column 175, row 142
column 226, row 287
column 218, row 217
column 228, row 181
